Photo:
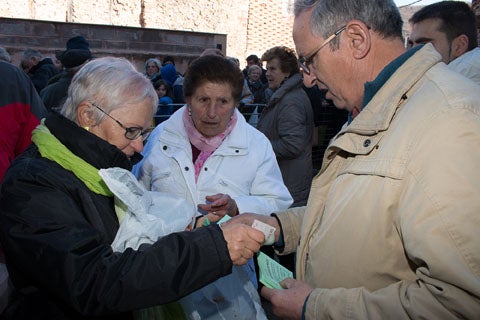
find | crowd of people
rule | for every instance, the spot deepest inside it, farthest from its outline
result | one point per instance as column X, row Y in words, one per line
column 387, row 228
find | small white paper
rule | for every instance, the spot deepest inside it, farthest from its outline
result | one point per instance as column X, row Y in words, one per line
column 267, row 230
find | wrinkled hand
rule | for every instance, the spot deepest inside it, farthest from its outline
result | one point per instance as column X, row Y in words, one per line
column 248, row 218
column 288, row 303
column 219, row 205
column 242, row 241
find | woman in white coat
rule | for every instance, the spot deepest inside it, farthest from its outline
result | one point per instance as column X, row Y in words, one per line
column 208, row 154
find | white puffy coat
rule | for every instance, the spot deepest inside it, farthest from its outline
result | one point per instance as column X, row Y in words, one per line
column 244, row 167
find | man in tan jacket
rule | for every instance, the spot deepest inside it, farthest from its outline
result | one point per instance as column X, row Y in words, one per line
column 391, row 227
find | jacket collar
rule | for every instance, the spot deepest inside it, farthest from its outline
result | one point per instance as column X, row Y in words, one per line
column 295, row 81
column 175, row 134
column 46, row 61
column 368, row 128
column 372, row 87
column 94, row 150
column 378, row 113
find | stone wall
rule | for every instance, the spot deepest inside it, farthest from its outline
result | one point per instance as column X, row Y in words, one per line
column 250, row 26
column 135, row 44
column 225, row 20
column 269, row 24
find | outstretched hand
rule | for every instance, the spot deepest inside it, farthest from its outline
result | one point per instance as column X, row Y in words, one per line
column 248, row 218
column 288, row 303
column 242, row 241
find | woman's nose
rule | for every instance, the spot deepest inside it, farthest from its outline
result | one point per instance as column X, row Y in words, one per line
column 137, row 144
column 211, row 111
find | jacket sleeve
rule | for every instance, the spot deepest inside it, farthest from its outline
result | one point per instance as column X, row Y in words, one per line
column 20, row 112
column 291, row 221
column 438, row 223
column 33, row 111
column 49, row 240
column 267, row 192
column 291, row 125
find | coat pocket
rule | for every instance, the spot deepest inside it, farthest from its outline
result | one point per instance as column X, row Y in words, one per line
column 394, row 168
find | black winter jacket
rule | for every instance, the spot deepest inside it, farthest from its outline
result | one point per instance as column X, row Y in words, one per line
column 42, row 72
column 56, row 234
column 54, row 94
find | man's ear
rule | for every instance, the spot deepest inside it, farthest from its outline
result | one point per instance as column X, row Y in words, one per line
column 85, row 114
column 359, row 38
column 459, row 46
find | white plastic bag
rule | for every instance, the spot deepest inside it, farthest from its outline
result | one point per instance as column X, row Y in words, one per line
column 230, row 297
column 145, row 215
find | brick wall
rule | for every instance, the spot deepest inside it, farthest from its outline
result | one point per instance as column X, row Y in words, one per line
column 225, row 21
column 269, row 24
column 135, row 44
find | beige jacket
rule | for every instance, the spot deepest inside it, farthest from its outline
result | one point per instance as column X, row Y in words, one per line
column 392, row 226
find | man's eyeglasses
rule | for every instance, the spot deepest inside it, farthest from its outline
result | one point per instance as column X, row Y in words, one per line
column 305, row 61
column 131, row 133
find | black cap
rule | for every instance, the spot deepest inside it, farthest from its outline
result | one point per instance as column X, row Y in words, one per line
column 168, row 59
column 78, row 51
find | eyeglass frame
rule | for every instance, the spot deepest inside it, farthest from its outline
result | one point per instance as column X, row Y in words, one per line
column 137, row 131
column 304, row 61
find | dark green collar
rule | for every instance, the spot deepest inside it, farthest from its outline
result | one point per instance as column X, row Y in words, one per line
column 371, row 88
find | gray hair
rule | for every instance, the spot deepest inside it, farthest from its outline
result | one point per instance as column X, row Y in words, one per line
column 154, row 60
column 382, row 16
column 111, row 83
column 4, row 55
column 253, row 67
column 30, row 53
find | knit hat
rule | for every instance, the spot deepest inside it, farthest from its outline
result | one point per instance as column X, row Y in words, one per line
column 168, row 59
column 78, row 51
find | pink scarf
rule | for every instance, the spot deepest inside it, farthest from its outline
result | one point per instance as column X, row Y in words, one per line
column 206, row 145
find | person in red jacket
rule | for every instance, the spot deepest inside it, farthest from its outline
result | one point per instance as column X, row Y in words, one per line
column 20, row 112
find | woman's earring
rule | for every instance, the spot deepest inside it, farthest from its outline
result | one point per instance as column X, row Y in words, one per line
column 189, row 112
column 86, row 128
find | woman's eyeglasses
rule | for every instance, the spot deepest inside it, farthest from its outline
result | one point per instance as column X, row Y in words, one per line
column 131, row 133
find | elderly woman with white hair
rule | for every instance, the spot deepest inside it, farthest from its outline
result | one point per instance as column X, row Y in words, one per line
column 152, row 69
column 58, row 218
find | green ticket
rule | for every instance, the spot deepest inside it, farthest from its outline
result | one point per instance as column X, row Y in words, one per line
column 271, row 272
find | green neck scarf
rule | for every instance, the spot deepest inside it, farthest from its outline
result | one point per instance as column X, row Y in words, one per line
column 51, row 148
